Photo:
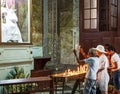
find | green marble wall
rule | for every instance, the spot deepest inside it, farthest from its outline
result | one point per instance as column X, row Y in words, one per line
column 37, row 22
column 69, row 29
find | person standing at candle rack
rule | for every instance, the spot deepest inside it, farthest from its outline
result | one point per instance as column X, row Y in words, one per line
column 91, row 75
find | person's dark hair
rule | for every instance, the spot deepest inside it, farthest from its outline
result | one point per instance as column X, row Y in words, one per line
column 111, row 48
column 107, row 45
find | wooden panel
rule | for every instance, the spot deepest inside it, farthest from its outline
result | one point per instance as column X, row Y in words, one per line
column 91, row 39
column 116, row 43
column 88, row 43
column 94, row 42
column 106, row 40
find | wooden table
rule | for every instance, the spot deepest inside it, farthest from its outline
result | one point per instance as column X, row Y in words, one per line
column 62, row 78
column 27, row 85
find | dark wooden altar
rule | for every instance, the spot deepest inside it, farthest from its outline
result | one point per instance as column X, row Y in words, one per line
column 39, row 62
column 39, row 67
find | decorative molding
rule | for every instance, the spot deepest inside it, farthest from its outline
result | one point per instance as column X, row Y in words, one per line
column 16, row 54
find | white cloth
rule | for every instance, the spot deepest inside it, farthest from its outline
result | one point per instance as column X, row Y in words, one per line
column 103, row 76
column 10, row 30
column 93, row 63
column 4, row 33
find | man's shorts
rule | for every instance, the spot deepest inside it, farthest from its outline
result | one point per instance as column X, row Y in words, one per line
column 90, row 86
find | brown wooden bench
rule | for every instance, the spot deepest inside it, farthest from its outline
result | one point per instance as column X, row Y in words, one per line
column 27, row 85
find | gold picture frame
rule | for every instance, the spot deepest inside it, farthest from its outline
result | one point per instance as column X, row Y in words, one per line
column 15, row 21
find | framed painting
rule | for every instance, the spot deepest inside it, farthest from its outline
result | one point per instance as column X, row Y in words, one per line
column 15, row 21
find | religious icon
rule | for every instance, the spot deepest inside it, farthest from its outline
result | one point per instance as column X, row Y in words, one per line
column 15, row 21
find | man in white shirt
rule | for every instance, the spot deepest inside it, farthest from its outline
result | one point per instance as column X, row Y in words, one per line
column 91, row 75
column 115, row 68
